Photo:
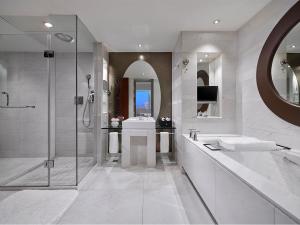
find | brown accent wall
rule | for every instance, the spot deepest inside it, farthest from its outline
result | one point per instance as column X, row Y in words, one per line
column 161, row 63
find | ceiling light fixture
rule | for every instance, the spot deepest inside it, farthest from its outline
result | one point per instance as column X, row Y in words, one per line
column 201, row 60
column 293, row 46
column 141, row 57
column 48, row 25
column 206, row 55
column 140, row 45
column 217, row 21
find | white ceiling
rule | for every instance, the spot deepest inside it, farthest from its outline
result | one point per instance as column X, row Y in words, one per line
column 123, row 24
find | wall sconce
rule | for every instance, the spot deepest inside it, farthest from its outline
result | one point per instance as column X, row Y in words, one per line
column 185, row 63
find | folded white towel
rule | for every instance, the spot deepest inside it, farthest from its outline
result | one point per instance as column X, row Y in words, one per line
column 246, row 143
column 113, row 142
column 164, row 142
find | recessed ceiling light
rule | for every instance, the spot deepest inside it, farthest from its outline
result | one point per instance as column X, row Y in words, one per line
column 141, row 57
column 217, row 21
column 48, row 25
column 201, row 60
column 206, row 55
column 293, row 46
column 140, row 45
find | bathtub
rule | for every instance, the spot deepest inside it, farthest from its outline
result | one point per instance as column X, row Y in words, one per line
column 244, row 187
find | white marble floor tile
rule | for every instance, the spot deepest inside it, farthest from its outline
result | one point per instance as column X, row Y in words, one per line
column 161, row 206
column 35, row 206
column 111, row 195
column 111, row 180
column 106, row 207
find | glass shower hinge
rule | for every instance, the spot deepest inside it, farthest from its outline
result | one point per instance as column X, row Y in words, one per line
column 49, row 163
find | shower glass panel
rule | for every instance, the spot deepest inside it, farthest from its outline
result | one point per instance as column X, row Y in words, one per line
column 86, row 89
column 46, row 101
column 63, row 43
column 24, row 73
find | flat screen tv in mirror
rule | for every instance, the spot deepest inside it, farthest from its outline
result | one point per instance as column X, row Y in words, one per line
column 209, row 85
column 207, row 93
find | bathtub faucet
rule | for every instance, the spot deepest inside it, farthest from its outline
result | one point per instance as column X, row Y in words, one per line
column 195, row 135
column 192, row 132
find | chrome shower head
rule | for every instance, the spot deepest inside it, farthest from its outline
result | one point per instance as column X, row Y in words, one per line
column 64, row 37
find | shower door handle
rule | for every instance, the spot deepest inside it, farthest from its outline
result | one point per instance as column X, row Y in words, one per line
column 7, row 97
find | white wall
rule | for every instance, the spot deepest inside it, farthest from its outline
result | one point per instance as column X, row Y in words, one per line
column 184, row 83
column 253, row 117
column 221, row 42
column 177, row 98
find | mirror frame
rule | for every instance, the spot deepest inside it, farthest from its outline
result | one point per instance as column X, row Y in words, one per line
column 278, row 105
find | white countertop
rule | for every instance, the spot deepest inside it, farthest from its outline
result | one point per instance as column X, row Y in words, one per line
column 280, row 197
column 139, row 123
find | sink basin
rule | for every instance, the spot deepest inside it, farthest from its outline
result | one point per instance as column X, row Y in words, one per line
column 139, row 123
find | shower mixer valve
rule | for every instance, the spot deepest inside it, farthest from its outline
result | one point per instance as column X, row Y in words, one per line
column 91, row 97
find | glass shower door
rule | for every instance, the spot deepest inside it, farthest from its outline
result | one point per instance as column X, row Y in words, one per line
column 24, row 107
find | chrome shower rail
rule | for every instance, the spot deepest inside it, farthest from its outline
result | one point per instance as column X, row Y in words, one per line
column 18, row 107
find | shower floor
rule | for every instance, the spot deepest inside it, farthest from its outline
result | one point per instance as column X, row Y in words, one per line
column 31, row 172
column 13, row 168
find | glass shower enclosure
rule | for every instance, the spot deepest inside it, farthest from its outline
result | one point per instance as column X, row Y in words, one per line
column 46, row 101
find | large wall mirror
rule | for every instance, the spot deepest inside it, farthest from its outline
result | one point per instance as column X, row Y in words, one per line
column 278, row 69
column 209, row 85
column 286, row 67
column 144, row 94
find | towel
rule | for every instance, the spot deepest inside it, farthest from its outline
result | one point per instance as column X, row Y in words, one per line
column 113, row 142
column 246, row 143
column 164, row 142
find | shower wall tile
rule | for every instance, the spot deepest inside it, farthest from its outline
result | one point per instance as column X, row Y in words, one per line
column 24, row 132
column 66, row 109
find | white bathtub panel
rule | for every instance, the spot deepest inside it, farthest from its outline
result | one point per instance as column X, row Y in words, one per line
column 281, row 218
column 200, row 169
column 238, row 203
column 189, row 162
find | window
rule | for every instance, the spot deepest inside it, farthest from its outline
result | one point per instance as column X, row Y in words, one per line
column 143, row 98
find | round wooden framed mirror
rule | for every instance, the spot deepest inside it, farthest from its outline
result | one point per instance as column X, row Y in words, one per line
column 278, row 69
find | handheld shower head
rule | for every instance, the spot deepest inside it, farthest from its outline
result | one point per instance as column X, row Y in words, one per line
column 88, row 77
